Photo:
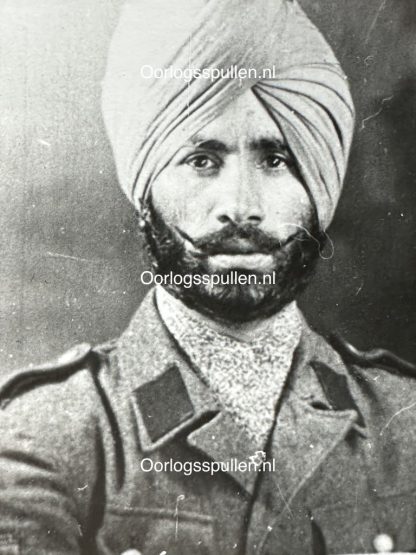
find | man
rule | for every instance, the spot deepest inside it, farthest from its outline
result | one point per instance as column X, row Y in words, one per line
column 117, row 449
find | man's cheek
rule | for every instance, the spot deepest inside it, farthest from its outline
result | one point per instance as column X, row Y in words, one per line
column 173, row 212
column 195, row 222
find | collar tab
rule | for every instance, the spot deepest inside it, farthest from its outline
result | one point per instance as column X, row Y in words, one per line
column 337, row 392
column 164, row 403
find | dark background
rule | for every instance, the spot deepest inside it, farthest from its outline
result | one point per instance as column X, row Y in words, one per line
column 69, row 253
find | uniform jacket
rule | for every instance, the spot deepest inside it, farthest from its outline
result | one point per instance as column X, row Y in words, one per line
column 74, row 435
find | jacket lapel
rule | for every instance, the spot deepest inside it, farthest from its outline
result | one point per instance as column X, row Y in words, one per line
column 302, row 440
column 309, row 426
column 311, row 423
column 166, row 396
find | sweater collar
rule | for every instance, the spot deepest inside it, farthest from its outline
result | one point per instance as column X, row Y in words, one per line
column 246, row 377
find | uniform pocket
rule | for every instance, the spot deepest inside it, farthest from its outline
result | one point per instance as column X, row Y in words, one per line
column 153, row 531
column 354, row 528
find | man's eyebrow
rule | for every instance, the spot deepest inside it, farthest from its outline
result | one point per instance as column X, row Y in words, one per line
column 214, row 145
column 268, row 144
column 211, row 144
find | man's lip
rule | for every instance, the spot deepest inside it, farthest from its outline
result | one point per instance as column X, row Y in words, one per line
column 253, row 261
column 234, row 245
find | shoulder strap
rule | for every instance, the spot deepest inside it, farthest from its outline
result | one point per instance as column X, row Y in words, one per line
column 64, row 365
column 374, row 357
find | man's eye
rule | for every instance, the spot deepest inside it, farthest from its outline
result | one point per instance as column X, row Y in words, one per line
column 201, row 162
column 275, row 162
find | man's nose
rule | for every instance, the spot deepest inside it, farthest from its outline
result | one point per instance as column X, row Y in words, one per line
column 240, row 199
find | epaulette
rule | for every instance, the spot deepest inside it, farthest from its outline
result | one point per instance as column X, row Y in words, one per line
column 373, row 358
column 59, row 368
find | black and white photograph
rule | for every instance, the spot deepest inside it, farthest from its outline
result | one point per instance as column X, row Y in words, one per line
column 207, row 277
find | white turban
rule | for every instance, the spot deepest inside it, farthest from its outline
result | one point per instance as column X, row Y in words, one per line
column 149, row 119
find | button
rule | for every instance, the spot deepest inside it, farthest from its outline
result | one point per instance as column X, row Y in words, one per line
column 383, row 543
column 131, row 552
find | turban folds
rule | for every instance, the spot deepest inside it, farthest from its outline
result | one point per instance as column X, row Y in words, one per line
column 149, row 119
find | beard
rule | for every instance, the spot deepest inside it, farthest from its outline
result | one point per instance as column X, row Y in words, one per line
column 294, row 261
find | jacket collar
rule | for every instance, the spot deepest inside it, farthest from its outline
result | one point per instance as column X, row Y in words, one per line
column 165, row 393
column 169, row 399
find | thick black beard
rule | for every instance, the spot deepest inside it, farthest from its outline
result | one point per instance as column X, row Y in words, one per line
column 294, row 263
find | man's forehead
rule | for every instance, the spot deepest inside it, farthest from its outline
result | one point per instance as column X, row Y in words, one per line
column 245, row 122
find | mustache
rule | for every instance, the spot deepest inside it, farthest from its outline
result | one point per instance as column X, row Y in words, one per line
column 233, row 238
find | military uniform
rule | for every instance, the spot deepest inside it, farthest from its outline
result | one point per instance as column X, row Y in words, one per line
column 74, row 435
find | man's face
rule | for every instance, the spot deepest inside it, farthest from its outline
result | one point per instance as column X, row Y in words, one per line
column 231, row 200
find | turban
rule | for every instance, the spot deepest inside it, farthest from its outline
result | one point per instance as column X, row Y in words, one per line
column 305, row 91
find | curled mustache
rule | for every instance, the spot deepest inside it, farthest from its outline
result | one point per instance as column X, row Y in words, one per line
column 227, row 240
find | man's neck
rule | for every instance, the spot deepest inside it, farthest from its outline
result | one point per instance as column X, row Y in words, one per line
column 242, row 331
